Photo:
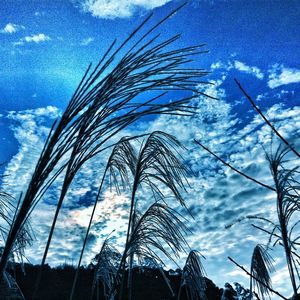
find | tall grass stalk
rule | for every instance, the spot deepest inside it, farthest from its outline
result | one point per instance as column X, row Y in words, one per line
column 106, row 269
column 258, row 110
column 158, row 166
column 287, row 204
column 161, row 229
column 193, row 278
column 122, row 158
column 288, row 201
column 103, row 105
column 25, row 237
column 287, row 189
column 257, row 279
column 261, row 266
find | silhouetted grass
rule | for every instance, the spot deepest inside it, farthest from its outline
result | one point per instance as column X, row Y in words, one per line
column 261, row 266
column 287, row 191
column 193, row 277
column 107, row 100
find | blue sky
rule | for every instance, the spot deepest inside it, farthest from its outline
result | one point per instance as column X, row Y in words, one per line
column 45, row 49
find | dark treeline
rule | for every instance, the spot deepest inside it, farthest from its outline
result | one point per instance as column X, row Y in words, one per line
column 148, row 284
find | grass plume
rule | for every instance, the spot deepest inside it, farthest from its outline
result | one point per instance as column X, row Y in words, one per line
column 261, row 266
column 193, row 277
column 107, row 100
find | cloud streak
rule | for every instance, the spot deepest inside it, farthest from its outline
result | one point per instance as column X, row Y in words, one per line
column 34, row 38
column 240, row 66
column 280, row 75
column 216, row 197
column 11, row 28
column 255, row 71
column 111, row 9
column 87, row 41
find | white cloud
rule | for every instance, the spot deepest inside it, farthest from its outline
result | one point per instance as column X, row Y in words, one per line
column 240, row 66
column 111, row 9
column 279, row 75
column 87, row 41
column 217, row 196
column 249, row 70
column 11, row 28
column 30, row 131
column 37, row 38
column 219, row 65
column 39, row 13
column 280, row 95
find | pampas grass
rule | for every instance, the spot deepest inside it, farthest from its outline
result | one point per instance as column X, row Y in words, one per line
column 105, row 103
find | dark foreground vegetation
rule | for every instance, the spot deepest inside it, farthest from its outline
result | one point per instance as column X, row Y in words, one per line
column 148, row 284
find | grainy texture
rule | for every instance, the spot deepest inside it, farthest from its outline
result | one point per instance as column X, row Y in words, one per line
column 10, row 289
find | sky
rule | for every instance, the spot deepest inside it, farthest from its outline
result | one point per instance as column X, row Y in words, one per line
column 45, row 49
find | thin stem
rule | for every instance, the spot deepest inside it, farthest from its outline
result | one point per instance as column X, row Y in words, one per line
column 233, row 168
column 86, row 236
column 266, row 120
column 257, row 279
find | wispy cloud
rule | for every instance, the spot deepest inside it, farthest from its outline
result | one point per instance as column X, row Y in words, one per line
column 217, row 196
column 30, row 130
column 11, row 28
column 111, row 9
column 36, row 38
column 280, row 75
column 240, row 66
column 87, row 41
column 40, row 13
column 249, row 70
